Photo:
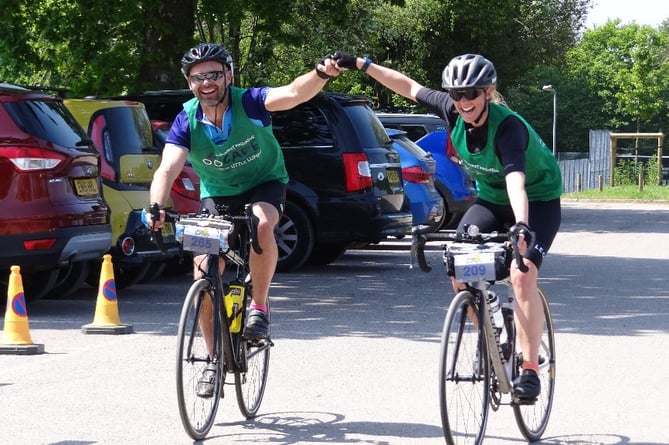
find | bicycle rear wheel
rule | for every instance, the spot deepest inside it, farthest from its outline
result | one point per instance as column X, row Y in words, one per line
column 250, row 385
column 464, row 373
column 197, row 413
column 533, row 419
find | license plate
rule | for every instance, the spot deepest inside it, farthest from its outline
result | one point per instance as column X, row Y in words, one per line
column 168, row 229
column 475, row 266
column 86, row 186
column 393, row 176
column 204, row 239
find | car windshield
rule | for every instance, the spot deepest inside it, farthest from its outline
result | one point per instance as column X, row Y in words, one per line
column 48, row 120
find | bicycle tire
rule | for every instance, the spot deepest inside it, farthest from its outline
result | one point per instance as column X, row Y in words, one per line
column 197, row 413
column 464, row 373
column 532, row 420
column 250, row 385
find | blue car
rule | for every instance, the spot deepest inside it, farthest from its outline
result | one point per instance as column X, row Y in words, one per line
column 452, row 181
column 418, row 173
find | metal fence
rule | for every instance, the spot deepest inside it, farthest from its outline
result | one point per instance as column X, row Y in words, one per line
column 586, row 173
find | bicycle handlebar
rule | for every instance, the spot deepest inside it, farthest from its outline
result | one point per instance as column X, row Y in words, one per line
column 421, row 235
column 249, row 218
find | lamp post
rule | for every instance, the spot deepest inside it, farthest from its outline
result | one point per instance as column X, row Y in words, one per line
column 550, row 89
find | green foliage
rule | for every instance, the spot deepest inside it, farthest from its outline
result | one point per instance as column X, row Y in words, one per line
column 627, row 171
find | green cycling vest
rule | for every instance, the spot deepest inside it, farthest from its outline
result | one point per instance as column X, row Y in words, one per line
column 251, row 155
column 543, row 180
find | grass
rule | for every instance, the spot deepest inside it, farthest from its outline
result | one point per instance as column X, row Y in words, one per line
column 625, row 192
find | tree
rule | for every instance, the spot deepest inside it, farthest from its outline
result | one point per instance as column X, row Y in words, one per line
column 627, row 67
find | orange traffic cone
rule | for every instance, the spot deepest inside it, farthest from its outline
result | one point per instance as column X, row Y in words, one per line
column 16, row 335
column 106, row 320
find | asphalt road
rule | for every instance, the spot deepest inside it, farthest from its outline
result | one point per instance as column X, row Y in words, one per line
column 357, row 346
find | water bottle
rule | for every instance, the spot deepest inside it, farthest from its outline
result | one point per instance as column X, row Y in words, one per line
column 493, row 302
column 233, row 306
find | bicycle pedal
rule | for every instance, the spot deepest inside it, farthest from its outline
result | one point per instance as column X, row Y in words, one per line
column 524, row 400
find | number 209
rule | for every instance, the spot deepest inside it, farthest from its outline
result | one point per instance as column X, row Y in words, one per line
column 476, row 270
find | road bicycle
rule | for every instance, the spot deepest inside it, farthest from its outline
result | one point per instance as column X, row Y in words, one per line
column 480, row 356
column 219, row 307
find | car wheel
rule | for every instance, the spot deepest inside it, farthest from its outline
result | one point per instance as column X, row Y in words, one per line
column 155, row 271
column 325, row 254
column 294, row 238
column 35, row 284
column 70, row 279
column 124, row 276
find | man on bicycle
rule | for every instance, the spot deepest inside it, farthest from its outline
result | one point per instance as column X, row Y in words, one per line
column 226, row 134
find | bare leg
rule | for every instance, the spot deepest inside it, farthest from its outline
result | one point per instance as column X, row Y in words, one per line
column 529, row 311
column 206, row 320
column 263, row 266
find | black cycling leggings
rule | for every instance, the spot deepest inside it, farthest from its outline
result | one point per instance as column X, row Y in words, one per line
column 545, row 218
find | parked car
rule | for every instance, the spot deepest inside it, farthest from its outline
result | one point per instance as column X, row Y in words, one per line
column 415, row 125
column 453, row 183
column 54, row 218
column 122, row 133
column 345, row 186
column 418, row 173
column 185, row 192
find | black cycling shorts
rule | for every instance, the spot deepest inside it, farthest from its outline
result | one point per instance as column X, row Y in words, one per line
column 545, row 218
column 273, row 192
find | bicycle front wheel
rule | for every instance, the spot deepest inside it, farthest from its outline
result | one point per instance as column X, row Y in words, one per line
column 464, row 373
column 533, row 419
column 197, row 413
column 250, row 385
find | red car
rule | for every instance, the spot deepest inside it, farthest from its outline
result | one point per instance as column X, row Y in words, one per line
column 186, row 189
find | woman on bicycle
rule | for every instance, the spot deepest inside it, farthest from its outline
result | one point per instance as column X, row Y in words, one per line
column 518, row 179
column 226, row 134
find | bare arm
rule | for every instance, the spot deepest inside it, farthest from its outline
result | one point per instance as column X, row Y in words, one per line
column 173, row 161
column 515, row 187
column 301, row 89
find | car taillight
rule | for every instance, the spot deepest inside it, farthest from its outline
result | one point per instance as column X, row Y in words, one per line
column 185, row 187
column 416, row 175
column 39, row 244
column 128, row 246
column 358, row 173
column 32, row 159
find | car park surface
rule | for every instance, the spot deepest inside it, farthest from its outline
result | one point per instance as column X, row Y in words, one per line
column 54, row 218
column 357, row 351
column 418, row 173
column 122, row 133
column 345, row 187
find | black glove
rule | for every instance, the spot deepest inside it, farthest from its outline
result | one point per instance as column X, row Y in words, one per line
column 345, row 60
column 520, row 228
column 321, row 74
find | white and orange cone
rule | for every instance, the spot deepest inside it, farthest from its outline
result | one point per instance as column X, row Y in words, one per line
column 107, row 320
column 16, row 334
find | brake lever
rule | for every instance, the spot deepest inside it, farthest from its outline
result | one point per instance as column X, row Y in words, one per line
column 156, row 235
column 418, row 242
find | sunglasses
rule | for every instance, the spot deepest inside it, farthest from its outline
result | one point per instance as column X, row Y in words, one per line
column 211, row 76
column 469, row 94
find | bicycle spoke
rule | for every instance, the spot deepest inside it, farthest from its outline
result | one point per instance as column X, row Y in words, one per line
column 532, row 419
column 464, row 375
column 197, row 413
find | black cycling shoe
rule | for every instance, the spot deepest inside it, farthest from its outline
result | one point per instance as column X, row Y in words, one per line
column 205, row 386
column 257, row 324
column 526, row 387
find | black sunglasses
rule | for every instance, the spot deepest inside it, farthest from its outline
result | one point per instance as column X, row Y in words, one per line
column 211, row 76
column 469, row 94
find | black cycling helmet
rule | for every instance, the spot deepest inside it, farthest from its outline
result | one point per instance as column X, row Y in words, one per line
column 202, row 53
column 468, row 71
